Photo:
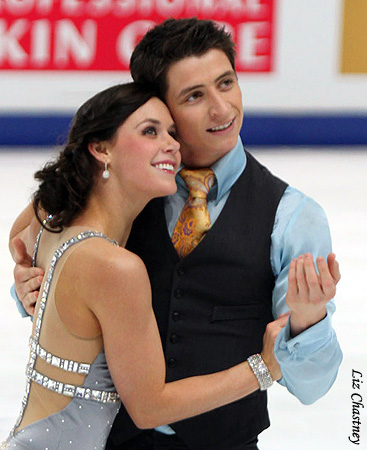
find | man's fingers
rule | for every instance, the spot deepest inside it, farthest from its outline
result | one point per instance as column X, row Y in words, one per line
column 21, row 256
column 34, row 284
column 29, row 302
column 313, row 281
column 327, row 281
column 30, row 310
column 29, row 287
column 301, row 277
column 334, row 267
column 28, row 279
column 25, row 273
column 292, row 280
column 27, row 283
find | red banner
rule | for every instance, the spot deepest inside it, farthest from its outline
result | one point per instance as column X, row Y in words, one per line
column 101, row 34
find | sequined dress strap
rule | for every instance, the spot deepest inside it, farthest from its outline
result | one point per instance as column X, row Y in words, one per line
column 36, row 246
column 37, row 350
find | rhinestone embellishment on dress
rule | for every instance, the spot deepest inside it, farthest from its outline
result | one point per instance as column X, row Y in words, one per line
column 36, row 350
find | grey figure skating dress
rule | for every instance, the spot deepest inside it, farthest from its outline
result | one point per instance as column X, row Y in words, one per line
column 85, row 423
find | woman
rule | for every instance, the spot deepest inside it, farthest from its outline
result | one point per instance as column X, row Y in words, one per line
column 120, row 154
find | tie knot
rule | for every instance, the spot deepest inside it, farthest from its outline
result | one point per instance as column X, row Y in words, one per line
column 198, row 181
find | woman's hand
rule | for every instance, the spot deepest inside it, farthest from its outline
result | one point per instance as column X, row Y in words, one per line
column 267, row 354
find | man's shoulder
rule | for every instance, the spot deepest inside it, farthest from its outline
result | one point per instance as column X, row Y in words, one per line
column 297, row 207
column 262, row 179
column 295, row 198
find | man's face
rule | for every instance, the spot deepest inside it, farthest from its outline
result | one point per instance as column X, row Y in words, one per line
column 206, row 104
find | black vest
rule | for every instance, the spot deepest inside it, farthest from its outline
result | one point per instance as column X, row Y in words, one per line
column 212, row 307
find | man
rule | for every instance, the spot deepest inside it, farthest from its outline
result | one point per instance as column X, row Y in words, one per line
column 213, row 301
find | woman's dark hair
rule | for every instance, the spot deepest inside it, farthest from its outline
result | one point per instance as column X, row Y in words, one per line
column 66, row 183
column 173, row 40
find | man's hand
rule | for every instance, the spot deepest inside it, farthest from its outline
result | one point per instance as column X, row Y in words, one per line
column 28, row 279
column 334, row 267
column 309, row 291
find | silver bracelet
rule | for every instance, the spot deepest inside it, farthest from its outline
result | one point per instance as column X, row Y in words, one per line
column 261, row 371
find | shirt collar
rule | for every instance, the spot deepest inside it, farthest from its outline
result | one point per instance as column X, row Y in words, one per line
column 227, row 170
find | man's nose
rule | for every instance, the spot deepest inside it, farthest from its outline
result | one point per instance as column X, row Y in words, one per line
column 219, row 107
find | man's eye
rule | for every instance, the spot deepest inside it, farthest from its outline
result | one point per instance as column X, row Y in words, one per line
column 194, row 96
column 227, row 82
column 150, row 131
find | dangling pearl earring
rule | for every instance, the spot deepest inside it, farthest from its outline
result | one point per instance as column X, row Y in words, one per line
column 106, row 172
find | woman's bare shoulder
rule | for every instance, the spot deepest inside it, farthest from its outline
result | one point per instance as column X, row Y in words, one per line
column 98, row 264
column 102, row 255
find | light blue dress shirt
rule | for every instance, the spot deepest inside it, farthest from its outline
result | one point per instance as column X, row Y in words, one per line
column 309, row 361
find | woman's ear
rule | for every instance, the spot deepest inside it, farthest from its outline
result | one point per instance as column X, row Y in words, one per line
column 100, row 151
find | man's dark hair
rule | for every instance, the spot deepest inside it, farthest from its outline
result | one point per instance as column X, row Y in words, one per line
column 171, row 41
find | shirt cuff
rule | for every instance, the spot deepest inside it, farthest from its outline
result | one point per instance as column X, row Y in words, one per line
column 18, row 303
column 307, row 342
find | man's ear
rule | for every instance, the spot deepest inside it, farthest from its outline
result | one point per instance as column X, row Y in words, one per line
column 99, row 150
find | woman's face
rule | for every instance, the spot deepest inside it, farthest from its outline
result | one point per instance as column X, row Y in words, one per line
column 145, row 155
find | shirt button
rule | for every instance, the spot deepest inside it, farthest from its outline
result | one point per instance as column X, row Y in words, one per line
column 171, row 362
column 178, row 293
column 176, row 316
column 174, row 338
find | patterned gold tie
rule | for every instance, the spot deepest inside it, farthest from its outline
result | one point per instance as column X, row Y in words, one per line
column 194, row 220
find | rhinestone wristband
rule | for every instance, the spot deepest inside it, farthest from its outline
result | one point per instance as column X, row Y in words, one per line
column 4, row 445
column 261, row 372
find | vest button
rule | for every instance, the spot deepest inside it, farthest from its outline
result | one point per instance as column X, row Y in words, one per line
column 178, row 293
column 174, row 338
column 181, row 271
column 176, row 316
column 171, row 362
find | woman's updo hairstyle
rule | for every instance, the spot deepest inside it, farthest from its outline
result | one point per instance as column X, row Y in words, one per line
column 66, row 183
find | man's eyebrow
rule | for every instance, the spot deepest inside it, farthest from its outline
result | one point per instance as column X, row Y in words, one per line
column 198, row 86
column 225, row 74
column 155, row 121
column 189, row 89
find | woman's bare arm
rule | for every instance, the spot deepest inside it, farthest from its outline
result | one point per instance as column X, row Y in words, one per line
column 116, row 286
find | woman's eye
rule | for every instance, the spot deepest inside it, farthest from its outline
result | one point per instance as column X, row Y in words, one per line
column 150, row 131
